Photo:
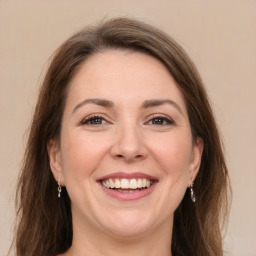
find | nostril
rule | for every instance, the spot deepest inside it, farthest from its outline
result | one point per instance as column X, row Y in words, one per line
column 129, row 157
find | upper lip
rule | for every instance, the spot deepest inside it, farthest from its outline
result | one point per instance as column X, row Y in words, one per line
column 125, row 175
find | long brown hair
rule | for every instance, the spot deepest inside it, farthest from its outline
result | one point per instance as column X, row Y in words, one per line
column 44, row 222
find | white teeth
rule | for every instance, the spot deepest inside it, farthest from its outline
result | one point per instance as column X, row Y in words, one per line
column 133, row 184
column 117, row 183
column 126, row 183
column 112, row 184
column 107, row 183
column 139, row 183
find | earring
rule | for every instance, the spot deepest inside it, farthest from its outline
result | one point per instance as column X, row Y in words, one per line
column 192, row 194
column 59, row 188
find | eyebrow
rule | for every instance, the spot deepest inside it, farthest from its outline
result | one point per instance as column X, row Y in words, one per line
column 157, row 102
column 146, row 104
column 100, row 102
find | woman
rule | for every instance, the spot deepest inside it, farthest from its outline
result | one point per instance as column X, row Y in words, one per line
column 123, row 156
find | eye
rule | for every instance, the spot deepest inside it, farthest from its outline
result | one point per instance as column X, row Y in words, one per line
column 161, row 121
column 93, row 120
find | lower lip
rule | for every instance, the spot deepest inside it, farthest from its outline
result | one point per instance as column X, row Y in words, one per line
column 126, row 196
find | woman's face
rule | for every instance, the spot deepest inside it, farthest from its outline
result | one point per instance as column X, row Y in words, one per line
column 126, row 154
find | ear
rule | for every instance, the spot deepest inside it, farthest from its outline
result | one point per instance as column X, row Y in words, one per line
column 195, row 161
column 54, row 154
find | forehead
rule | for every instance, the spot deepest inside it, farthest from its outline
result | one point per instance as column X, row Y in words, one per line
column 123, row 76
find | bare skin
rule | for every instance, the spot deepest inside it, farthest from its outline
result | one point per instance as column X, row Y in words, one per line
column 124, row 114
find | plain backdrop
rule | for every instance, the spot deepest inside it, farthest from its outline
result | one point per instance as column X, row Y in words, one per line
column 220, row 36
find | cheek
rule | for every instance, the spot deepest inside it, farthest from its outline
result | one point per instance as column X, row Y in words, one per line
column 80, row 156
column 173, row 153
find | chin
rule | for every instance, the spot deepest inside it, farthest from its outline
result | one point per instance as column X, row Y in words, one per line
column 128, row 225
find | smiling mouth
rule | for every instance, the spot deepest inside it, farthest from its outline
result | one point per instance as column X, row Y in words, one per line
column 127, row 185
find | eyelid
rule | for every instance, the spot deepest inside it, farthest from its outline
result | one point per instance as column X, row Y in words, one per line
column 92, row 117
column 88, row 118
column 161, row 116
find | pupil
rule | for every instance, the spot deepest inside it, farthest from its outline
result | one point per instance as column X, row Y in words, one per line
column 158, row 121
column 96, row 121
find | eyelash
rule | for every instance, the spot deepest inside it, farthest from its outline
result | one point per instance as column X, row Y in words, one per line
column 87, row 120
column 163, row 120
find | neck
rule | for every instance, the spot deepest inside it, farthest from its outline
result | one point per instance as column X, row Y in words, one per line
column 86, row 242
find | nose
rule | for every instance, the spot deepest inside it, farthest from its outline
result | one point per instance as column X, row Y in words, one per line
column 129, row 144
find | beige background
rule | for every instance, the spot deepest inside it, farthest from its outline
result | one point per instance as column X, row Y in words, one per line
column 220, row 36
